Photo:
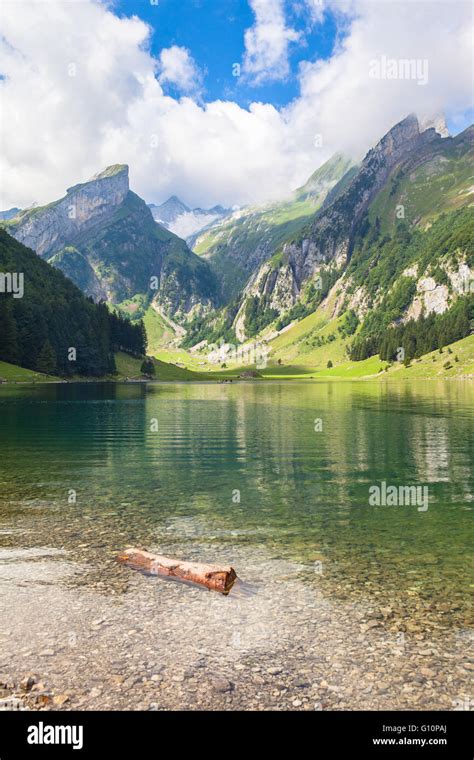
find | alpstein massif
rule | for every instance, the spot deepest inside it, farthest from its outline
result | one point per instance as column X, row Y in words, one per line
column 104, row 238
column 406, row 158
column 237, row 246
column 382, row 243
column 47, row 229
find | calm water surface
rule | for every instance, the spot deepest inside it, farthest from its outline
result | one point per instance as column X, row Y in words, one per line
column 273, row 478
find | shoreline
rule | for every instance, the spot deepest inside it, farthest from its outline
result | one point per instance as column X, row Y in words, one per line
column 240, row 381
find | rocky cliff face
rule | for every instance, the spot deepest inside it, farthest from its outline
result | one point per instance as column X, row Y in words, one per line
column 327, row 241
column 238, row 246
column 104, row 238
column 329, row 237
column 46, row 229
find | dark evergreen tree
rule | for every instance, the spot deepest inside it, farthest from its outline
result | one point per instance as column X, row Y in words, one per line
column 148, row 367
column 46, row 362
column 8, row 331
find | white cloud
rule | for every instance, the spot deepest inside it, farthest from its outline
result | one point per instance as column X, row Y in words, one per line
column 177, row 67
column 267, row 42
column 312, row 9
column 353, row 108
column 59, row 124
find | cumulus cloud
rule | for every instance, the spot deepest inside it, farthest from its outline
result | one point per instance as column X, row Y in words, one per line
column 398, row 57
column 82, row 90
column 178, row 68
column 267, row 42
column 72, row 74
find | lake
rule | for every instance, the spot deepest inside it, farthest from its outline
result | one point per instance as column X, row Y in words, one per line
column 342, row 603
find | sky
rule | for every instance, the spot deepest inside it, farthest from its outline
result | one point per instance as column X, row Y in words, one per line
column 213, row 31
column 230, row 102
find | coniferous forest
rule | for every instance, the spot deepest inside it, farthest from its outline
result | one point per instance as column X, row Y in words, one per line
column 55, row 329
column 418, row 337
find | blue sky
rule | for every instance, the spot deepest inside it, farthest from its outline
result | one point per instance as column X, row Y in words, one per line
column 213, row 31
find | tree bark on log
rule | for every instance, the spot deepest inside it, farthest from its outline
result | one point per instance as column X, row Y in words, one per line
column 214, row 577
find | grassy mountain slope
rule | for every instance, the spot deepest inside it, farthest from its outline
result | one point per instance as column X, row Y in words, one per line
column 444, row 183
column 238, row 245
column 127, row 368
column 12, row 373
column 159, row 332
column 233, row 247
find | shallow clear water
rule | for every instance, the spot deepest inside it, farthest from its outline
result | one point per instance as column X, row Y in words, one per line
column 254, row 474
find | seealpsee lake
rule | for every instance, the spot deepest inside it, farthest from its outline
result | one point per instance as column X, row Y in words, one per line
column 340, row 605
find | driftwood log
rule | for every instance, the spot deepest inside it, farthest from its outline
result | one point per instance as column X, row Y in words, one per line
column 214, row 577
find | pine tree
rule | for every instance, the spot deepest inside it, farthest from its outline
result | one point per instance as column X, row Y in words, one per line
column 8, row 332
column 47, row 359
column 148, row 367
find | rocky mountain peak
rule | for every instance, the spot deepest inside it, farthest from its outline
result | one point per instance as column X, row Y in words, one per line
column 178, row 218
column 397, row 139
column 48, row 228
column 166, row 213
column 104, row 238
column 111, row 184
column 115, row 170
column 408, row 135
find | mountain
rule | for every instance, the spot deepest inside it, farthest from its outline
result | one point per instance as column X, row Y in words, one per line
column 169, row 211
column 404, row 183
column 175, row 216
column 9, row 214
column 41, row 322
column 236, row 247
column 103, row 236
column 361, row 252
column 324, row 179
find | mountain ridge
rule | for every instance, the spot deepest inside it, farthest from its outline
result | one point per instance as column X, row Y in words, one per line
column 103, row 236
column 326, row 242
column 237, row 246
column 378, row 244
column 177, row 217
